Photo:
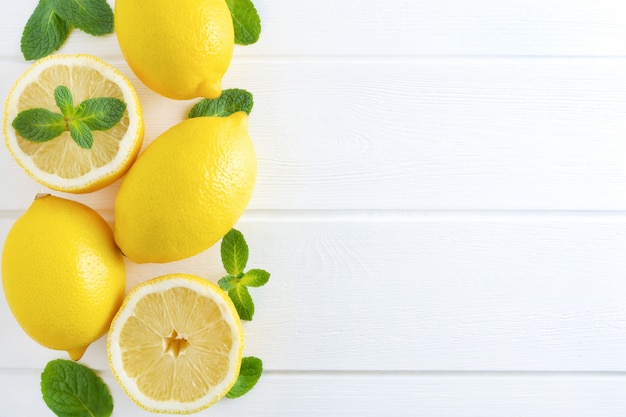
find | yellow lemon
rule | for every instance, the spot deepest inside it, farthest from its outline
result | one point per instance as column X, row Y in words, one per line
column 61, row 164
column 180, row 49
column 175, row 345
column 62, row 275
column 186, row 190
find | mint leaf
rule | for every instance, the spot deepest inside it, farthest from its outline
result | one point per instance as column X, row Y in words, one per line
column 72, row 390
column 91, row 16
column 228, row 282
column 242, row 301
column 80, row 132
column 44, row 33
column 246, row 21
column 39, row 125
column 231, row 101
column 249, row 374
column 255, row 278
column 51, row 22
column 63, row 99
column 100, row 113
column 234, row 252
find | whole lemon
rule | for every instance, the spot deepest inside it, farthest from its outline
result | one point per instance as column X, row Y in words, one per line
column 62, row 274
column 186, row 190
column 180, row 49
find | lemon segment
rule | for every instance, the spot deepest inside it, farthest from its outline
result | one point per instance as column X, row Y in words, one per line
column 61, row 164
column 186, row 190
column 62, row 275
column 175, row 345
column 180, row 49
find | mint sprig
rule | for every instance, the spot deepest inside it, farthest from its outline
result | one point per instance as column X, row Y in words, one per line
column 234, row 252
column 44, row 33
column 72, row 390
column 249, row 374
column 246, row 21
column 42, row 125
column 51, row 22
column 229, row 102
column 94, row 17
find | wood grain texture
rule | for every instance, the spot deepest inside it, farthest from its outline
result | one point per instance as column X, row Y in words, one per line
column 418, row 293
column 543, row 134
column 402, row 27
column 441, row 203
column 348, row 395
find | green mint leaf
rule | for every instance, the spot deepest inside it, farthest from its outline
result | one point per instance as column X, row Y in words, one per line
column 231, row 101
column 72, row 390
column 234, row 251
column 63, row 99
column 228, row 282
column 249, row 374
column 246, row 21
column 44, row 33
column 91, row 16
column 255, row 278
column 81, row 133
column 39, row 125
column 242, row 301
column 100, row 113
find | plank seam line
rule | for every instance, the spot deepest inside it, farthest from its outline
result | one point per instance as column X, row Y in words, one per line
column 451, row 373
column 416, row 215
column 381, row 58
column 393, row 373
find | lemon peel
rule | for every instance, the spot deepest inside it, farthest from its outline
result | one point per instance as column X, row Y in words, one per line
column 62, row 274
column 179, row 49
column 186, row 190
column 60, row 164
column 176, row 344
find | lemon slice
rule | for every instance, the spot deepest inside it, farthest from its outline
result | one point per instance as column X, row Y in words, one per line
column 60, row 163
column 175, row 345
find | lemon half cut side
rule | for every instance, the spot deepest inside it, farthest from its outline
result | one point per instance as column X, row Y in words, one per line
column 60, row 164
column 176, row 343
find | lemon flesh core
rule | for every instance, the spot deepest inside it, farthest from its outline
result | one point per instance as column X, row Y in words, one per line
column 176, row 344
column 180, row 49
column 62, row 275
column 186, row 190
column 60, row 163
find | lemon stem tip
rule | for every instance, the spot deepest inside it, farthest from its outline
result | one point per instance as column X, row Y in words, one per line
column 76, row 354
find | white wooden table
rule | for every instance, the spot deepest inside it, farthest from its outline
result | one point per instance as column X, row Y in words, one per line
column 441, row 201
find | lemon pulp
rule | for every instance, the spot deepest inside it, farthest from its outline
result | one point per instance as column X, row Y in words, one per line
column 60, row 163
column 176, row 344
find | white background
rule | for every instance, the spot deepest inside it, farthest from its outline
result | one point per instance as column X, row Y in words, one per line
column 441, row 201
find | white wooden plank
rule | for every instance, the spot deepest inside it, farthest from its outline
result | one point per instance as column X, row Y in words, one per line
column 417, row 292
column 342, row 395
column 416, row 134
column 400, row 27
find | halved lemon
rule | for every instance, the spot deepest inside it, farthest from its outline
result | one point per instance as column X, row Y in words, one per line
column 176, row 343
column 61, row 164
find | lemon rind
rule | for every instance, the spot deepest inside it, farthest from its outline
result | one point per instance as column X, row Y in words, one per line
column 163, row 283
column 98, row 177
